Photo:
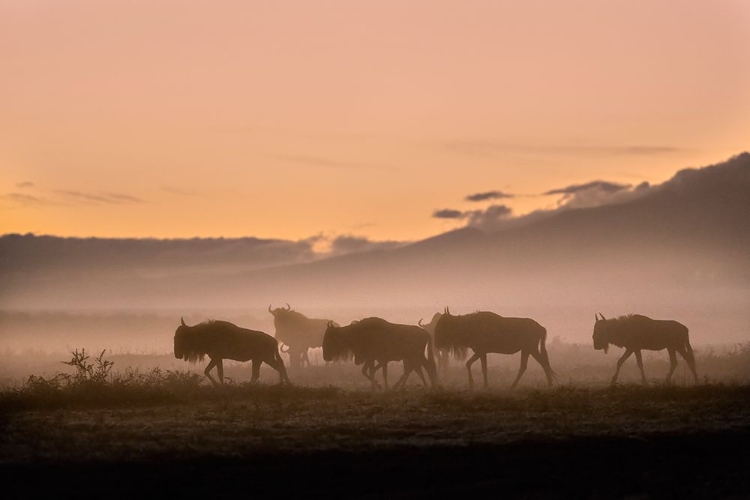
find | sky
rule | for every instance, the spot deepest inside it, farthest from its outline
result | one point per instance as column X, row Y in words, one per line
column 291, row 119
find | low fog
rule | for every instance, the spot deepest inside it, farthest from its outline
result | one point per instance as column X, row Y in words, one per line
column 677, row 250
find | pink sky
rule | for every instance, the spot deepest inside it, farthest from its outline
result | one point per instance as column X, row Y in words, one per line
column 288, row 119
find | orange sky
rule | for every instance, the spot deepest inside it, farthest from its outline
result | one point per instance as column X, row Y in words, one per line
column 281, row 119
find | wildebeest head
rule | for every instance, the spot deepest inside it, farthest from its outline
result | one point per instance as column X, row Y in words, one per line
column 450, row 332
column 430, row 327
column 333, row 343
column 181, row 340
column 279, row 310
column 602, row 333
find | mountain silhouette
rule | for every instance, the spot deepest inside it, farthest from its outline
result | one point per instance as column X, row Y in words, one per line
column 690, row 233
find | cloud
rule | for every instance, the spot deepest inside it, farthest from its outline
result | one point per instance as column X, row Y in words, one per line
column 324, row 244
column 25, row 199
column 587, row 195
column 597, row 193
column 485, row 148
column 448, row 213
column 489, row 195
column 25, row 184
column 608, row 187
column 100, row 198
column 486, row 219
column 327, row 162
column 490, row 218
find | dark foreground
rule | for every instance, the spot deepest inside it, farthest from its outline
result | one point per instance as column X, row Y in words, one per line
column 583, row 443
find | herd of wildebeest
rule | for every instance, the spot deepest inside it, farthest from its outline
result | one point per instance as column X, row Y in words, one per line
column 374, row 342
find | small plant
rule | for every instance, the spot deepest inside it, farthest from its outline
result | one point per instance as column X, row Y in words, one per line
column 88, row 372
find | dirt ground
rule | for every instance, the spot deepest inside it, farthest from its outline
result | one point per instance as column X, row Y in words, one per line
column 629, row 441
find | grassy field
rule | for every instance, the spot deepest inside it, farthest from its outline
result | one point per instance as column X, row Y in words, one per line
column 147, row 432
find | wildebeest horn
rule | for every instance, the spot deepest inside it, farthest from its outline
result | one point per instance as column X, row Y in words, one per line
column 269, row 309
column 447, row 311
column 330, row 324
column 288, row 307
column 420, row 322
column 603, row 318
column 596, row 318
column 182, row 321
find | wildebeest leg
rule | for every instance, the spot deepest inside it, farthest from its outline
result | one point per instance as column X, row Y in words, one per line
column 305, row 358
column 431, row 371
column 687, row 354
column 443, row 362
column 220, row 370
column 210, row 367
column 672, row 364
column 418, row 369
column 483, row 359
column 639, row 361
column 385, row 375
column 256, row 371
column 278, row 364
column 368, row 370
column 544, row 361
column 524, row 364
column 468, row 368
column 620, row 361
column 408, row 368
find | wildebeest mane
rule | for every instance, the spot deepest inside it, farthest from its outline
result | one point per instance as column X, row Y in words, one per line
column 194, row 340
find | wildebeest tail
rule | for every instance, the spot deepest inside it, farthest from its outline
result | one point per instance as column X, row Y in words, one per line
column 430, row 350
column 431, row 366
column 689, row 351
column 543, row 350
column 282, row 369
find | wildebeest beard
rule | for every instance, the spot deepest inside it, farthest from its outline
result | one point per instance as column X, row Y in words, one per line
column 191, row 341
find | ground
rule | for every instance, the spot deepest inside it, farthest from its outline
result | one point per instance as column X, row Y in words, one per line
column 570, row 441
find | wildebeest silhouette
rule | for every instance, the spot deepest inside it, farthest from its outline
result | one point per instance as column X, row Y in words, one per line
column 635, row 332
column 486, row 332
column 373, row 342
column 298, row 332
column 220, row 340
column 442, row 355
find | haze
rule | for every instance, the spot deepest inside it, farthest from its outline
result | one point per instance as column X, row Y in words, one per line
column 535, row 159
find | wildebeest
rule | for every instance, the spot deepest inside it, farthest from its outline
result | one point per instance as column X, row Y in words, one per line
column 636, row 332
column 298, row 332
column 220, row 340
column 375, row 340
column 486, row 332
column 442, row 355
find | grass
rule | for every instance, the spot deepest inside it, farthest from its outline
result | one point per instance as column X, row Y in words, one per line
column 100, row 427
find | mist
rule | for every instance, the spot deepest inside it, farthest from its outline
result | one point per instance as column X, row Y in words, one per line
column 675, row 250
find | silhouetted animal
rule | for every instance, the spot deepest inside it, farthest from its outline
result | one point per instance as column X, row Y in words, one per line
column 220, row 340
column 442, row 354
column 635, row 333
column 298, row 332
column 375, row 340
column 486, row 332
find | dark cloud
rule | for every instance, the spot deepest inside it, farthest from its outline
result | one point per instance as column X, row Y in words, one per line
column 99, row 198
column 489, row 195
column 597, row 193
column 487, row 219
column 448, row 213
column 490, row 218
column 607, row 187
